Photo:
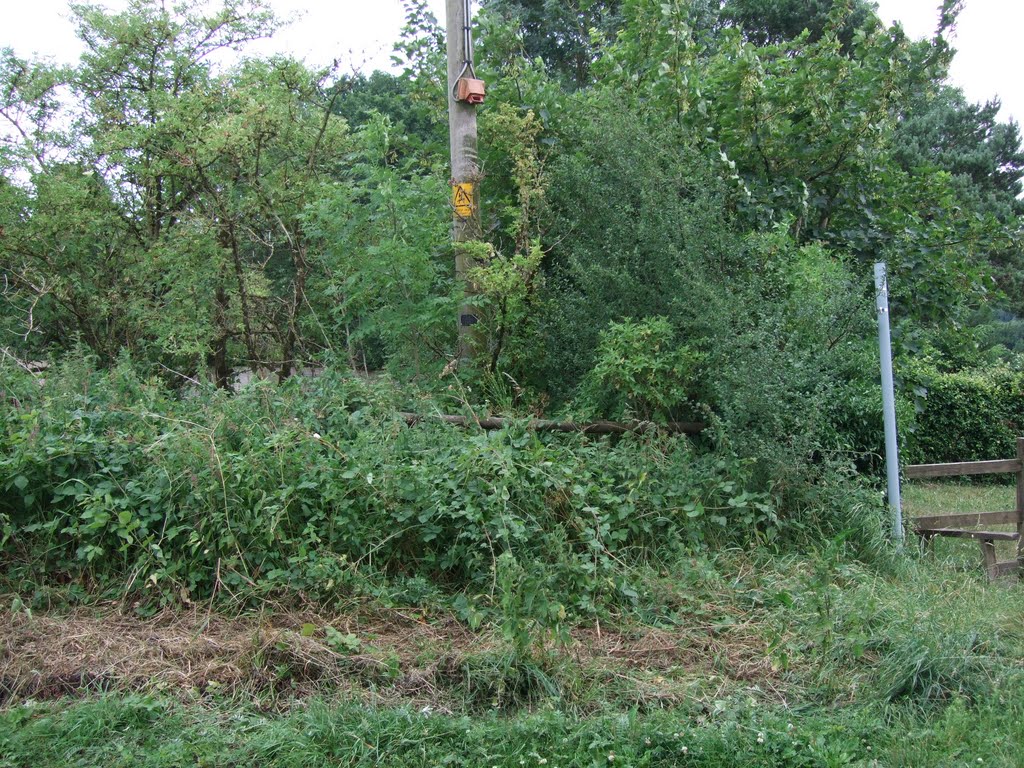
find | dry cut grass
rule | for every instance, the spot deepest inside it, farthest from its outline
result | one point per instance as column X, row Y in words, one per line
column 394, row 657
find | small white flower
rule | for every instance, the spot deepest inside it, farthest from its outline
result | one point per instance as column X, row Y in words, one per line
column 542, row 761
column 684, row 749
column 369, row 478
column 647, row 740
column 789, row 726
column 316, row 435
column 760, row 738
column 611, row 757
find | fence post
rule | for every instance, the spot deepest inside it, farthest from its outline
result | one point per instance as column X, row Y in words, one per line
column 1020, row 503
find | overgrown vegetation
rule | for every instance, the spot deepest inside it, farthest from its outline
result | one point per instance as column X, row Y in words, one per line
column 682, row 202
column 113, row 480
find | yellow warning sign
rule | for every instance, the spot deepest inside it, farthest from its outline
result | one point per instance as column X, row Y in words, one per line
column 462, row 199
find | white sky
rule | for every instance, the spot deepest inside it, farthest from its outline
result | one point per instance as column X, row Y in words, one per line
column 361, row 34
column 988, row 43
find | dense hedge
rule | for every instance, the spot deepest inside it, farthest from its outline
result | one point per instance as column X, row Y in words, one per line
column 964, row 416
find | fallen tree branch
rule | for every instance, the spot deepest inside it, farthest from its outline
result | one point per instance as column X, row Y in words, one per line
column 542, row 425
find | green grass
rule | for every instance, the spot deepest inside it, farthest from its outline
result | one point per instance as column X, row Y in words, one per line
column 918, row 666
column 147, row 732
column 937, row 498
column 791, row 661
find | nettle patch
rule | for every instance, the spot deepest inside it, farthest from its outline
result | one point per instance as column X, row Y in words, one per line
column 319, row 488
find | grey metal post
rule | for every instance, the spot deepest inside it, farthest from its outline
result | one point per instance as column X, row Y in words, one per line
column 892, row 459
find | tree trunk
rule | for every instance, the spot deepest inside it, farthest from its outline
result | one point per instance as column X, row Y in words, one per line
column 298, row 296
column 218, row 356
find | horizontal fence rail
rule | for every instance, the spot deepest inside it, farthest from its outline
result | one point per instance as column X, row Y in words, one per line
column 967, row 518
column 961, row 533
column 922, row 471
column 977, row 525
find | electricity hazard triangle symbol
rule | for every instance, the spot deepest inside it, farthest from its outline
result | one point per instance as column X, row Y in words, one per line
column 462, row 199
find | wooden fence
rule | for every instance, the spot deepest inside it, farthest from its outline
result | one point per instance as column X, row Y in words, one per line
column 976, row 525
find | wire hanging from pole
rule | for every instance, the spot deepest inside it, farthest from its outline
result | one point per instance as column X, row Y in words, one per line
column 467, row 45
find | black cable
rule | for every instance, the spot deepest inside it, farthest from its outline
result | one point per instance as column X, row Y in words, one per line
column 467, row 45
column 467, row 42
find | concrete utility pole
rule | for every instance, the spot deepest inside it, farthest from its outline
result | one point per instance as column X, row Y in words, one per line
column 465, row 163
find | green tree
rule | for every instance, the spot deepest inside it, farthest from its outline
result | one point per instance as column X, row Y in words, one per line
column 102, row 242
column 417, row 131
column 769, row 22
column 942, row 130
column 164, row 214
column 565, row 35
column 385, row 277
column 803, row 133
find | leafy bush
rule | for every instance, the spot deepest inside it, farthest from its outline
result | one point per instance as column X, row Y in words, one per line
column 640, row 230
column 641, row 371
column 647, row 252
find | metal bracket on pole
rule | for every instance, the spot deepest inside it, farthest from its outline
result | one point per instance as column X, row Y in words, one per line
column 892, row 459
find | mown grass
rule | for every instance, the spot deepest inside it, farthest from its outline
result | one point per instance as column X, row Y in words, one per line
column 954, row 497
column 766, row 660
column 923, row 498
column 917, row 666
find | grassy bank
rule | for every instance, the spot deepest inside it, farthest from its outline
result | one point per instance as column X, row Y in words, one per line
column 159, row 733
column 752, row 661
